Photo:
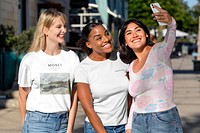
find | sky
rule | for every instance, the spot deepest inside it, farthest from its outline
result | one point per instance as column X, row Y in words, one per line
column 191, row 2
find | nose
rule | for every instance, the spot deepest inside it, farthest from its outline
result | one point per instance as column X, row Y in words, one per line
column 107, row 38
column 64, row 29
column 134, row 34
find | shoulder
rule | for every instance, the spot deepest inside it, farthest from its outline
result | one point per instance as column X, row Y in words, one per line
column 29, row 56
column 70, row 56
column 85, row 64
column 119, row 61
column 70, row 53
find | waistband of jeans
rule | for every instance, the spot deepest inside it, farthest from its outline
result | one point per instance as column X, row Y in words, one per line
column 162, row 112
column 56, row 114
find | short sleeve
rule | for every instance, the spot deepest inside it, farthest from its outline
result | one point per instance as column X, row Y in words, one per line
column 24, row 75
column 81, row 75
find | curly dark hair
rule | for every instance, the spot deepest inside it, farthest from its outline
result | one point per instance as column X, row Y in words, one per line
column 127, row 55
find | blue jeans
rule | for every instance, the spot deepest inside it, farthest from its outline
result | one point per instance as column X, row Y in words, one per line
column 109, row 129
column 157, row 122
column 38, row 122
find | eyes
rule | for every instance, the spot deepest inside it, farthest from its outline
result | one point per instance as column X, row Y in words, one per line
column 136, row 30
column 60, row 26
column 99, row 37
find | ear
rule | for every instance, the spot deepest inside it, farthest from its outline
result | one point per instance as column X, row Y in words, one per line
column 88, row 45
column 45, row 30
column 147, row 35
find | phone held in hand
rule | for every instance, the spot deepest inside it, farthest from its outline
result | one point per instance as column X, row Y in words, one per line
column 155, row 10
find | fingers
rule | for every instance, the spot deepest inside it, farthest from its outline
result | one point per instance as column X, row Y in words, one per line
column 159, row 9
column 162, row 16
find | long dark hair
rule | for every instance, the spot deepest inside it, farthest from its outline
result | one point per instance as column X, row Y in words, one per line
column 84, row 37
column 126, row 53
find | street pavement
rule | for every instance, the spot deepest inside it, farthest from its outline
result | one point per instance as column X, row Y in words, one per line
column 186, row 96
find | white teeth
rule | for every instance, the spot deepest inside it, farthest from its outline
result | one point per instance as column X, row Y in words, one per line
column 136, row 40
column 106, row 45
column 61, row 35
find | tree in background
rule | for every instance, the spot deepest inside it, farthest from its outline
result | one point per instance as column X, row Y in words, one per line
column 195, row 11
column 177, row 8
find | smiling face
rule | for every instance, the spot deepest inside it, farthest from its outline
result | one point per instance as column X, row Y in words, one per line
column 100, row 41
column 56, row 32
column 135, row 37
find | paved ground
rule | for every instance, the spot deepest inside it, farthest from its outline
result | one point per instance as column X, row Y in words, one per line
column 187, row 93
column 187, row 98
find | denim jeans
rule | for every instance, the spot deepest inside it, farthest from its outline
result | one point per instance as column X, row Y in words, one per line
column 157, row 122
column 38, row 122
column 109, row 129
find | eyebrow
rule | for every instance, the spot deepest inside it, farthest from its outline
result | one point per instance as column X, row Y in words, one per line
column 132, row 28
column 97, row 35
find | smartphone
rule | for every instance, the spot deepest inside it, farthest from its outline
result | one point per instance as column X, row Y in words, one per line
column 155, row 10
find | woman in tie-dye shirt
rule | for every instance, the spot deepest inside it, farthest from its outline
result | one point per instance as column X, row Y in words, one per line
column 151, row 77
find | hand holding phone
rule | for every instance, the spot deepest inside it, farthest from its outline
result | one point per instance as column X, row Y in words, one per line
column 155, row 10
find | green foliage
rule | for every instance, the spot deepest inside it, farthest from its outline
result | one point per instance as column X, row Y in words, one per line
column 21, row 43
column 6, row 32
column 182, row 40
column 179, row 10
column 195, row 14
column 196, row 11
column 141, row 10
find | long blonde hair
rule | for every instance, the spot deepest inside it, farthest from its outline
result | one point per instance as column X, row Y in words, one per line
column 46, row 19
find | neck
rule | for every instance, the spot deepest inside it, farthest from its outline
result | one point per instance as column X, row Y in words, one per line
column 144, row 53
column 52, row 50
column 98, row 57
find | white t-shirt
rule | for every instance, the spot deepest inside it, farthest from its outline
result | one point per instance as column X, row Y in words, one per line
column 109, row 88
column 50, row 79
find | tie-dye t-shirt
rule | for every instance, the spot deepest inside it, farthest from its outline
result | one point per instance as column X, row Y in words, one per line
column 151, row 88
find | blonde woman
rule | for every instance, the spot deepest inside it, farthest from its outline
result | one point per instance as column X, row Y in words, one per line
column 47, row 101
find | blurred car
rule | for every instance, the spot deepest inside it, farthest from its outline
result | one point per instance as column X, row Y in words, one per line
column 181, row 46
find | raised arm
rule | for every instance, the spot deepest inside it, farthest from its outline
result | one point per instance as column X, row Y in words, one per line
column 170, row 36
column 162, row 16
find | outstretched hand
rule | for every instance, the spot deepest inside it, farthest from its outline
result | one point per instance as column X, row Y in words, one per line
column 162, row 16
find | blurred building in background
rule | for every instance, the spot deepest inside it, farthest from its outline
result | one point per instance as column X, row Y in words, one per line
column 23, row 14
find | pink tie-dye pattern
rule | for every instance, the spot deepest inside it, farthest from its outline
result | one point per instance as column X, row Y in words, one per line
column 152, row 91
column 143, row 101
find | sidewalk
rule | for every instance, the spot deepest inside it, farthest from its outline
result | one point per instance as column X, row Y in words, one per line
column 186, row 94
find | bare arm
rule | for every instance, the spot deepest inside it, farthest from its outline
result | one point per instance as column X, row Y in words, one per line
column 129, row 102
column 73, row 111
column 86, row 100
column 23, row 94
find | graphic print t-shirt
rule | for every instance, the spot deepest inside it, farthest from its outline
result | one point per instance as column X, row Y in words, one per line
column 50, row 79
column 54, row 83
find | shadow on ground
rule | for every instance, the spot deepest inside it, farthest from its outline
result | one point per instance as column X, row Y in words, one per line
column 79, row 130
column 191, row 126
column 185, row 72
